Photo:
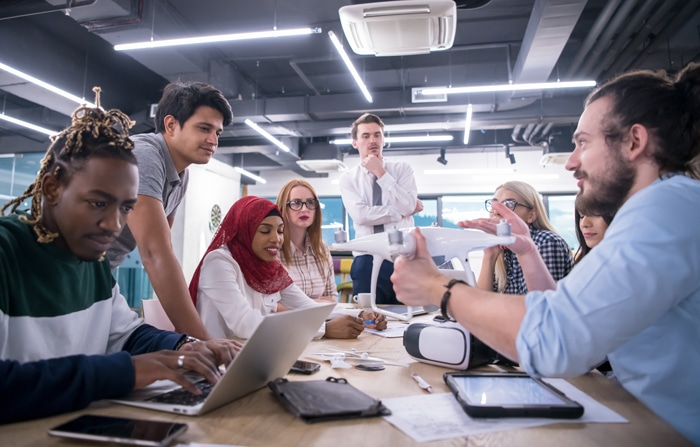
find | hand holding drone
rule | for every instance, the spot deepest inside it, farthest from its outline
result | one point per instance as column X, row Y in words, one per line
column 447, row 242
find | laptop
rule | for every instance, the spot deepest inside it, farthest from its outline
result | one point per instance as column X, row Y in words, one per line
column 268, row 354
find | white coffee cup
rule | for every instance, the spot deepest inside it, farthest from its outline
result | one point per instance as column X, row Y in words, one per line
column 363, row 300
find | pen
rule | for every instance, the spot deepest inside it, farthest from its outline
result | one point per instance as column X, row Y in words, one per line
column 366, row 322
column 422, row 383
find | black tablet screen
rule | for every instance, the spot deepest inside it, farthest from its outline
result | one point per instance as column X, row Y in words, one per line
column 498, row 391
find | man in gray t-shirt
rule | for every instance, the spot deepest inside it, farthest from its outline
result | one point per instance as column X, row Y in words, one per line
column 189, row 120
column 159, row 179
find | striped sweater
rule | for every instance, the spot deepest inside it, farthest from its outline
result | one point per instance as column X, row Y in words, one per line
column 66, row 333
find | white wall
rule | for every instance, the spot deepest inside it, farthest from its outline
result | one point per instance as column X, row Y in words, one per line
column 492, row 170
column 213, row 183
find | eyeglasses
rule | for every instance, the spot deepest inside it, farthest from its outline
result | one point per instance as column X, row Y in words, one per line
column 298, row 204
column 511, row 204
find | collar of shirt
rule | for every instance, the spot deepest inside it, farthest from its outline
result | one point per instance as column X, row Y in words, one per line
column 302, row 251
column 171, row 173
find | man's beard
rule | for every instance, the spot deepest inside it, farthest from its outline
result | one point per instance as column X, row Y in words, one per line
column 607, row 193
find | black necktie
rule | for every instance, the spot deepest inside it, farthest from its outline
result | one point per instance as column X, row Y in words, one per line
column 377, row 201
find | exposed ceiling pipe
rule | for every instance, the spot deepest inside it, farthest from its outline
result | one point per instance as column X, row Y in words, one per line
column 674, row 25
column 625, row 58
column 623, row 38
column 620, row 17
column 515, row 136
column 30, row 8
column 135, row 16
column 303, row 77
column 594, row 32
column 528, row 132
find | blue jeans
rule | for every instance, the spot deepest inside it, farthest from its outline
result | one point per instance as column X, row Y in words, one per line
column 361, row 274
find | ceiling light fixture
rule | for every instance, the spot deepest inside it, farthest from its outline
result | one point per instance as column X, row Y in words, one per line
column 45, row 85
column 467, row 124
column 34, row 127
column 405, row 139
column 249, row 174
column 348, row 63
column 215, row 38
column 507, row 87
column 267, row 135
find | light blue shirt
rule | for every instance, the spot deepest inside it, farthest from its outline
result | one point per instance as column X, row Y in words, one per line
column 634, row 298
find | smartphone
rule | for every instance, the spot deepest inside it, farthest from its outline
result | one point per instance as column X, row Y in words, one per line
column 492, row 395
column 120, row 430
column 302, row 367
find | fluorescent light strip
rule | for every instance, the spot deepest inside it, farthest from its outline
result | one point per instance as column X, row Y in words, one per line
column 34, row 127
column 457, row 171
column 513, row 176
column 45, row 85
column 267, row 135
column 351, row 68
column 506, row 87
column 215, row 38
column 242, row 171
column 468, row 124
column 406, row 139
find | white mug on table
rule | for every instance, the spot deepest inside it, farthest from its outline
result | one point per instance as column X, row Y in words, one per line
column 363, row 300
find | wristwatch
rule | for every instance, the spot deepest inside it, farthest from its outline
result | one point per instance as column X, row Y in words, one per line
column 184, row 340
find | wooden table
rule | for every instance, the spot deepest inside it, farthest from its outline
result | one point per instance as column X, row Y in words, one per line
column 259, row 420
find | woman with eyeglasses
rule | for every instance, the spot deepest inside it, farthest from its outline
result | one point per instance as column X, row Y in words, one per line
column 500, row 269
column 308, row 259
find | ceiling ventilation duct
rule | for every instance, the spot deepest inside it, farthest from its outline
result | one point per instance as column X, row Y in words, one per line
column 558, row 147
column 321, row 157
column 400, row 27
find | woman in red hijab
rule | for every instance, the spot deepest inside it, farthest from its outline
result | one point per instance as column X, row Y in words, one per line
column 240, row 278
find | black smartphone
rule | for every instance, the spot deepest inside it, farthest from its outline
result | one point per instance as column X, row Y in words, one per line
column 120, row 430
column 492, row 395
column 303, row 367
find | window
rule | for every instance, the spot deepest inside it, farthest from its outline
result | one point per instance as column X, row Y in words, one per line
column 17, row 171
column 333, row 218
column 458, row 208
column 561, row 215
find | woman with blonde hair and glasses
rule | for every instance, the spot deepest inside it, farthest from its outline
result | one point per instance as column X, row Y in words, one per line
column 308, row 259
column 500, row 269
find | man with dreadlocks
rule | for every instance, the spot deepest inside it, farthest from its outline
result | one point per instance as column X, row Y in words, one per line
column 189, row 120
column 67, row 336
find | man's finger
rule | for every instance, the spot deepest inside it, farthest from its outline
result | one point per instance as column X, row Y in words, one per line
column 421, row 244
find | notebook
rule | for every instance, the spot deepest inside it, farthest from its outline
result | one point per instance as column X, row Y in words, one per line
column 268, row 354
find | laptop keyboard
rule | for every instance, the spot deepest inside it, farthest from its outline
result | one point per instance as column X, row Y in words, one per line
column 183, row 397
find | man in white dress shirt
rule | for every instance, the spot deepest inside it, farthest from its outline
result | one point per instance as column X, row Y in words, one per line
column 379, row 195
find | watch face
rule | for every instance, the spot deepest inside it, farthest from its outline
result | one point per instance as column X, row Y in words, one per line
column 214, row 218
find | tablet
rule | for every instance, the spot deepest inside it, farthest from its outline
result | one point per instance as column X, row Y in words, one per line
column 120, row 430
column 492, row 395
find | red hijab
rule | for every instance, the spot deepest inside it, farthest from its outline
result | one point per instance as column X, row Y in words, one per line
column 237, row 231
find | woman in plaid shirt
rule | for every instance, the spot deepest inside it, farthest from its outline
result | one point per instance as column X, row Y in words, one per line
column 308, row 259
column 500, row 270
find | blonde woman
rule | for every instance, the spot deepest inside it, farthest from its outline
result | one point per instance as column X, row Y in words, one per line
column 500, row 270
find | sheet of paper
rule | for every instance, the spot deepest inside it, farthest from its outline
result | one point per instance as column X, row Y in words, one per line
column 430, row 417
column 394, row 329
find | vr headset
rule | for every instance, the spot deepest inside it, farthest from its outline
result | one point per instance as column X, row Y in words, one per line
column 449, row 345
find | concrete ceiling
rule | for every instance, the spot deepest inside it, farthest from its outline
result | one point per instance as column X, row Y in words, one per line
column 298, row 89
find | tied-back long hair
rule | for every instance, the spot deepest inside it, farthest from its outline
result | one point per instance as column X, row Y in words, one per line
column 313, row 233
column 669, row 108
column 532, row 199
column 93, row 133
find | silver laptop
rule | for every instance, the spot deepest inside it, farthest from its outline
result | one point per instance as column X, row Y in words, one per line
column 268, row 354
